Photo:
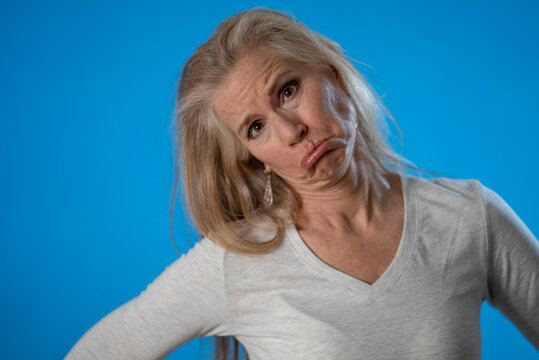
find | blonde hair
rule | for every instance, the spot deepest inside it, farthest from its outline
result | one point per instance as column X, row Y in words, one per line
column 224, row 184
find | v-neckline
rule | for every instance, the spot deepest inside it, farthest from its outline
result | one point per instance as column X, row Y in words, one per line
column 395, row 268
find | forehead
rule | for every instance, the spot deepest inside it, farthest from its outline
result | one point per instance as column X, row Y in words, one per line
column 256, row 67
column 248, row 85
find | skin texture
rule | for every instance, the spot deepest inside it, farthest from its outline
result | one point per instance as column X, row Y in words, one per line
column 298, row 121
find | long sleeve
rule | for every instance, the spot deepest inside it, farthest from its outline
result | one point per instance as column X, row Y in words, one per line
column 513, row 265
column 186, row 301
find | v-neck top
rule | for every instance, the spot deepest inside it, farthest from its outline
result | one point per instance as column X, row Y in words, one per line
column 367, row 291
column 461, row 244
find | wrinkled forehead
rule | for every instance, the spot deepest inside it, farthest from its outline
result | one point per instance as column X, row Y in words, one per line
column 256, row 65
column 249, row 82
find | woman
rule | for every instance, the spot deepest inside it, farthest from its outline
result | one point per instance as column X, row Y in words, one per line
column 317, row 245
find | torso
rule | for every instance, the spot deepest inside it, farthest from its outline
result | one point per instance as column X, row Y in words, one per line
column 366, row 255
column 429, row 298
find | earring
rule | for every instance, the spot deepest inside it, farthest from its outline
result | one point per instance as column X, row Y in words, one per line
column 268, row 192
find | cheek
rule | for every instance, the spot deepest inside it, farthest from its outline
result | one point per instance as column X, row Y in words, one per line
column 337, row 104
column 342, row 110
column 275, row 157
column 346, row 110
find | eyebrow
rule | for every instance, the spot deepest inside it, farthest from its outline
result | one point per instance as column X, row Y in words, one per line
column 271, row 89
column 276, row 81
column 246, row 121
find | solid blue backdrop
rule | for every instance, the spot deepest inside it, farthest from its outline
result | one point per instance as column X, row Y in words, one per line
column 87, row 96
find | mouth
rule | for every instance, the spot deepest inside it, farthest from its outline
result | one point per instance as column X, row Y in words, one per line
column 315, row 153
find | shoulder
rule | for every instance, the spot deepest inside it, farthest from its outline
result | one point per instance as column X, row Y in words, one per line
column 203, row 259
column 446, row 195
column 446, row 187
column 452, row 211
column 467, row 204
column 258, row 229
column 207, row 255
column 204, row 251
column 461, row 194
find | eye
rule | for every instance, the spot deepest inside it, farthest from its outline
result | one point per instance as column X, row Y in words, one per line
column 288, row 90
column 255, row 129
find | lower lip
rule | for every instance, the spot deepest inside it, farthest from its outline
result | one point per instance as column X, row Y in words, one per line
column 315, row 155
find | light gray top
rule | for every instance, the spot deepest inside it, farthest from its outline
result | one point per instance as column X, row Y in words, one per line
column 461, row 244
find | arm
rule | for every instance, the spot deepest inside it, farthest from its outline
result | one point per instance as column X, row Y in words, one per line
column 186, row 301
column 513, row 265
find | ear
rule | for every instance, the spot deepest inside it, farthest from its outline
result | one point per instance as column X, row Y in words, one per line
column 337, row 76
column 335, row 72
column 267, row 169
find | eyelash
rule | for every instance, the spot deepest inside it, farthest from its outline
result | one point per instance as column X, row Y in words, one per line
column 250, row 129
column 288, row 85
column 292, row 83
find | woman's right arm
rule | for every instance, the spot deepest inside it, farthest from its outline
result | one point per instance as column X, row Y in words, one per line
column 186, row 301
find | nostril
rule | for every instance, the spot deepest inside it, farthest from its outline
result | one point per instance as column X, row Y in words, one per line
column 302, row 132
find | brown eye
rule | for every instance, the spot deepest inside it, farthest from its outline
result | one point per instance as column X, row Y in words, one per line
column 255, row 129
column 289, row 90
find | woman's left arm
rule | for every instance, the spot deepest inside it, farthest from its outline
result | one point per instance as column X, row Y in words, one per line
column 513, row 265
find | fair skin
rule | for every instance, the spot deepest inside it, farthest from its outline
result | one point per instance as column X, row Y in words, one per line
column 297, row 120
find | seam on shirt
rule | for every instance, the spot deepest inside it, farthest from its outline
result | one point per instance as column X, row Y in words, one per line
column 478, row 185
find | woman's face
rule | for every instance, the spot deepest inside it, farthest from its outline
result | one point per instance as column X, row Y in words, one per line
column 295, row 119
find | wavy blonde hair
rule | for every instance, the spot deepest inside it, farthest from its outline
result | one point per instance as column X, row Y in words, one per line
column 224, row 184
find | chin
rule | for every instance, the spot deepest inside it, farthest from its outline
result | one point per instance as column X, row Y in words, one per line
column 330, row 168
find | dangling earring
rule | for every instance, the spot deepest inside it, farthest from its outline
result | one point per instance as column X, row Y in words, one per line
column 268, row 192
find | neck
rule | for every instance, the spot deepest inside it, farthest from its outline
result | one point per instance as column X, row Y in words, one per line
column 345, row 205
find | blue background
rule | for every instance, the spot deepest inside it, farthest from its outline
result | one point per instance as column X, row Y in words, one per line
column 87, row 95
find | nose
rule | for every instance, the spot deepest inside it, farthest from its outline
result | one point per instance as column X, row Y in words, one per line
column 291, row 130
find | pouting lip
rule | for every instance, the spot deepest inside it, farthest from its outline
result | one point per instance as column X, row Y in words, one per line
column 314, row 153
